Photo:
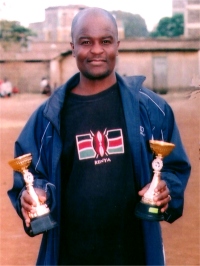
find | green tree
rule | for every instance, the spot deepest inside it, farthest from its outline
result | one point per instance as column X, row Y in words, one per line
column 134, row 25
column 169, row 27
column 13, row 32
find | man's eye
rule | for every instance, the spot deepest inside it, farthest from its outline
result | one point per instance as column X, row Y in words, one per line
column 106, row 41
column 85, row 42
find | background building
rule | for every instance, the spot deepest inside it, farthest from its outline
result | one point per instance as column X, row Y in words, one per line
column 191, row 11
column 192, row 18
column 57, row 24
column 170, row 64
column 178, row 6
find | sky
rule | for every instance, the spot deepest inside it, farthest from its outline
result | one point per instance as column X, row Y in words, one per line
column 27, row 11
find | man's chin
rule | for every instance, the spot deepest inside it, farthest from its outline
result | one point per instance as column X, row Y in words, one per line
column 96, row 76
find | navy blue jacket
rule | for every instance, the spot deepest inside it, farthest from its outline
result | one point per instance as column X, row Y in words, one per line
column 147, row 116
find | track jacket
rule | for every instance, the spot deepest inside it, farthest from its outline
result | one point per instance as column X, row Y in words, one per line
column 147, row 116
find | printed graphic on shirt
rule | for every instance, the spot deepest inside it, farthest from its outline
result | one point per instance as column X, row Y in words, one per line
column 100, row 144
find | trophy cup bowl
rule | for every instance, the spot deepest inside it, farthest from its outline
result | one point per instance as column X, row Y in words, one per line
column 147, row 209
column 41, row 220
column 161, row 148
column 21, row 163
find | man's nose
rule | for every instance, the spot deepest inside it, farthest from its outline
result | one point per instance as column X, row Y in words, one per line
column 97, row 48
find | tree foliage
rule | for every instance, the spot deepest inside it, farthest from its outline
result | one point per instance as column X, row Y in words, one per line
column 134, row 25
column 13, row 32
column 169, row 27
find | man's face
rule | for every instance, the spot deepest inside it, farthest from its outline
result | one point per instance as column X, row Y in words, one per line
column 95, row 46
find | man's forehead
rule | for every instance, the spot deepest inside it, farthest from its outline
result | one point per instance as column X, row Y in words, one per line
column 92, row 31
column 87, row 28
column 92, row 21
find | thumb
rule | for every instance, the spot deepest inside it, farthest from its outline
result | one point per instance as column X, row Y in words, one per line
column 42, row 199
column 143, row 190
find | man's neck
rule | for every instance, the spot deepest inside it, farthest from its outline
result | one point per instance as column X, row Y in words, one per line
column 90, row 87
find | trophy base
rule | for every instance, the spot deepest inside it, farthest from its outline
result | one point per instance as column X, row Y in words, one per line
column 148, row 212
column 41, row 224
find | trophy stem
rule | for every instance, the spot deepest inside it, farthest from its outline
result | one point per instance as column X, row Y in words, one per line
column 28, row 178
column 149, row 195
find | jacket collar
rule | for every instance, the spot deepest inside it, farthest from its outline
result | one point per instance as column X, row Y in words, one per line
column 129, row 89
column 128, row 86
column 55, row 103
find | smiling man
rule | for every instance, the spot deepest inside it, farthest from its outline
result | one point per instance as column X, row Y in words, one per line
column 95, row 48
column 90, row 141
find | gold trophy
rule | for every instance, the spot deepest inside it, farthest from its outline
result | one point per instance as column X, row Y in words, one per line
column 147, row 209
column 41, row 220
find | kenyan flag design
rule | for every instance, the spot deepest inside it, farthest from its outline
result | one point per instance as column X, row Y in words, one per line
column 100, row 144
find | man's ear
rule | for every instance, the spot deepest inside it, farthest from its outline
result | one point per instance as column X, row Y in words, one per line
column 72, row 46
column 118, row 43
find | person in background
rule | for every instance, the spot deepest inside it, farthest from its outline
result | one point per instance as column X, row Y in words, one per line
column 90, row 141
column 43, row 83
column 6, row 88
column 45, row 86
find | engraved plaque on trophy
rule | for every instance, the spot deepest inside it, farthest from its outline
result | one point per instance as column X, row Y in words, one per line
column 147, row 209
column 41, row 220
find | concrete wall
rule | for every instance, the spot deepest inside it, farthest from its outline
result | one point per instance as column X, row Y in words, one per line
column 61, row 69
column 170, row 64
column 25, row 75
column 180, row 67
column 135, row 63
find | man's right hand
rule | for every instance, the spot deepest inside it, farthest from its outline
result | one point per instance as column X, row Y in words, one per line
column 29, row 205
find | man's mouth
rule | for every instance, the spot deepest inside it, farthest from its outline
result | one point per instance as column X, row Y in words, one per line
column 96, row 61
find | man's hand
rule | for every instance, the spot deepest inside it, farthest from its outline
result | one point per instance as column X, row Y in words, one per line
column 29, row 205
column 161, row 194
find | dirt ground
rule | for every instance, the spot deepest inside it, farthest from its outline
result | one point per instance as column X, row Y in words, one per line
column 181, row 239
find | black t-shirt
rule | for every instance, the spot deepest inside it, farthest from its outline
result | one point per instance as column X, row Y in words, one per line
column 98, row 226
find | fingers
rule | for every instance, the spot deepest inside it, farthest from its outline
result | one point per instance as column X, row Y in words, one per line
column 26, row 201
column 161, row 186
column 26, row 217
column 143, row 190
column 29, row 205
column 41, row 195
column 162, row 196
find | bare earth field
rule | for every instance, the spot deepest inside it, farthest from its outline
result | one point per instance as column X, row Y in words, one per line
column 181, row 239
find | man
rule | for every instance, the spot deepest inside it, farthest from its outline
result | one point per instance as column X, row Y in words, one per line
column 90, row 141
column 6, row 88
column 45, row 86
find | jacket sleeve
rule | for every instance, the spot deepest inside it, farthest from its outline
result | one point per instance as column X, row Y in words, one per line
column 30, row 140
column 176, row 167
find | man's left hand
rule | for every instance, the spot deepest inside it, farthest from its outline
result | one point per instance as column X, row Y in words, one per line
column 162, row 196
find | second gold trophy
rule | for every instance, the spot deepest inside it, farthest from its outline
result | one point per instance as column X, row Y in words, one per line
column 147, row 209
column 41, row 220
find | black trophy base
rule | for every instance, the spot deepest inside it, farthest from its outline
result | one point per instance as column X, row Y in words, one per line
column 148, row 212
column 42, row 224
